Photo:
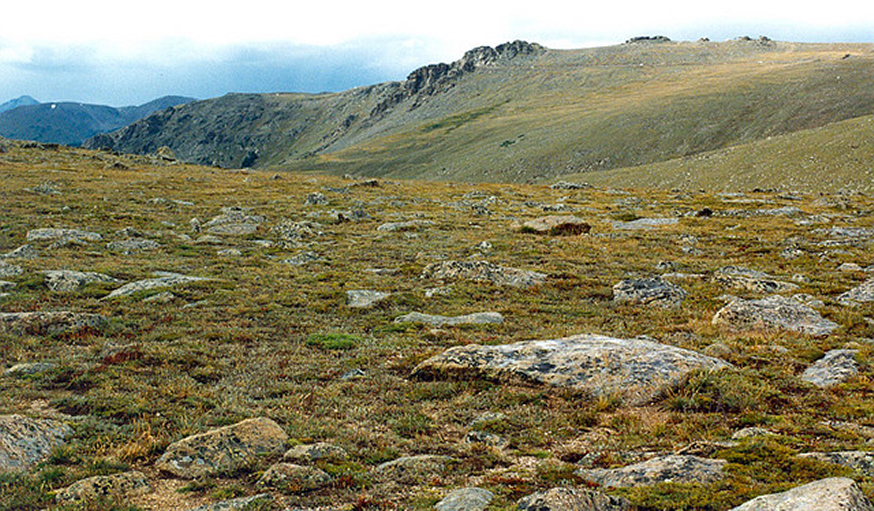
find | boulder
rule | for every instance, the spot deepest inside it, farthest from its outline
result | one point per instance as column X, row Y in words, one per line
column 465, row 499
column 291, row 478
column 240, row 503
column 308, row 453
column 664, row 469
column 24, row 441
column 303, row 258
column 650, row 291
column 49, row 323
column 477, row 318
column 832, row 494
column 316, row 199
column 557, row 225
column 863, row 461
column 162, row 280
column 9, row 270
column 223, row 449
column 833, row 368
column 636, row 369
column 739, row 277
column 62, row 234
column 124, row 484
column 751, row 432
column 22, row 252
column 132, row 246
column 67, row 280
column 572, row 499
column 773, row 312
column 234, row 221
column 861, row 294
column 364, row 298
column 483, row 271
column 413, row 469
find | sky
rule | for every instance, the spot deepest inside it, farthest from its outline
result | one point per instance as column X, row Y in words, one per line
column 124, row 53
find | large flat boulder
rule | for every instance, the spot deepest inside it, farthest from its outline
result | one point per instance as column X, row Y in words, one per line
column 124, row 484
column 413, row 469
column 773, row 313
column 223, row 449
column 49, row 323
column 25, row 441
column 832, row 494
column 483, row 271
column 636, row 369
column 650, row 291
column 739, row 277
column 477, row 318
column 664, row 469
column 572, row 499
column 68, row 280
column 557, row 225
column 52, row 234
column 835, row 367
column 858, row 295
column 162, row 280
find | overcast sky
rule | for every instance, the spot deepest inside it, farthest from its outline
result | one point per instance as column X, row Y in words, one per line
column 119, row 53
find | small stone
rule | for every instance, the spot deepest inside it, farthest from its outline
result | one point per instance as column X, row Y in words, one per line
column 644, row 223
column 773, row 312
column 316, row 199
column 238, row 504
column 24, row 441
column 850, row 267
column 752, row 432
column 208, row 239
column 132, row 246
column 832, row 494
column 565, row 185
column 431, row 292
column 488, row 418
column 353, row 375
column 29, row 368
column 835, row 367
column 364, row 298
column 9, row 270
column 230, row 252
column 466, row 499
column 557, row 225
column 665, row 469
column 478, row 318
column 5, row 285
column 650, row 291
column 484, row 437
column 413, row 469
column 125, row 484
column 308, row 453
column 572, row 499
column 291, row 478
column 412, row 225
column 303, row 258
column 163, row 297
column 66, row 280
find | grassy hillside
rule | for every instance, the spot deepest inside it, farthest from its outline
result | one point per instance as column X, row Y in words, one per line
column 837, row 157
column 533, row 116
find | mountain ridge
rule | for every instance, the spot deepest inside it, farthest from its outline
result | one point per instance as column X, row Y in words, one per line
column 17, row 102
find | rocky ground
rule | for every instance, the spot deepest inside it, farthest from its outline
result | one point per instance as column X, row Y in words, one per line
column 179, row 337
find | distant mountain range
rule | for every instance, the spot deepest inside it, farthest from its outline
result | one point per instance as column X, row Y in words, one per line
column 69, row 123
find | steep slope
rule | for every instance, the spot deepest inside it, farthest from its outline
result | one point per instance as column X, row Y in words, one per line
column 521, row 112
column 17, row 102
column 72, row 123
column 837, row 157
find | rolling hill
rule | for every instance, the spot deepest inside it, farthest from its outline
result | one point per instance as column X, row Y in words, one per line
column 72, row 123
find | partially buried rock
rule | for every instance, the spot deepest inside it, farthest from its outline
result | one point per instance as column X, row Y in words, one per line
column 303, row 258
column 234, row 221
column 9, row 270
column 67, row 280
column 24, row 441
column 132, row 246
column 483, row 271
column 240, row 503
column 773, row 312
column 29, row 368
column 413, row 469
column 644, row 223
column 223, row 449
column 572, row 499
column 557, row 225
column 835, row 367
column 49, row 323
column 308, row 453
column 858, row 460
column 751, row 280
column 832, row 494
column 62, row 234
column 291, row 478
column 22, row 252
column 316, row 199
column 162, row 279
column 412, row 225
column 364, row 298
column 665, row 469
column 477, row 318
column 650, row 291
column 635, row 369
column 465, row 499
column 125, row 484
column 858, row 295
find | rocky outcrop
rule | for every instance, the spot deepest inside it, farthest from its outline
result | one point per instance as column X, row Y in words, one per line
column 162, row 280
column 413, row 469
column 739, row 277
column 291, row 478
column 483, row 271
column 9, row 270
column 858, row 295
column 49, row 323
column 651, row 291
column 665, row 469
column 51, row 234
column 477, row 318
column 222, row 449
column 25, row 441
column 832, row 494
column 465, row 499
column 572, row 499
column 364, row 298
column 234, row 221
column 309, row 453
column 835, row 367
column 557, row 225
column 66, row 280
column 132, row 246
column 125, row 484
column 635, row 369
column 863, row 461
column 773, row 312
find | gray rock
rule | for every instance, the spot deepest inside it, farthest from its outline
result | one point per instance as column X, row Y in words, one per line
column 29, row 368
column 859, row 460
column 861, row 294
column 22, row 252
column 364, row 298
column 234, row 221
column 412, row 225
column 650, row 291
column 465, row 499
column 165, row 297
column 565, row 185
column 49, row 323
column 303, row 258
column 483, row 271
column 477, row 318
column 850, row 267
column 222, row 449
column 51, row 234
column 297, row 231
column 431, row 292
column 484, row 437
column 9, row 270
column 25, row 441
column 291, row 478
column 308, row 453
column 572, row 499
column 66, row 280
column 233, row 229
column 229, row 252
column 124, row 484
column 665, row 469
column 240, row 503
column 835, row 367
column 163, row 279
column 208, row 239
column 773, row 312
column 413, row 469
column 751, row 280
column 5, row 285
column 752, row 432
column 832, row 494
column 132, row 246
column 644, row 223
column 633, row 368
column 809, row 300
column 564, row 225
column 316, row 199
